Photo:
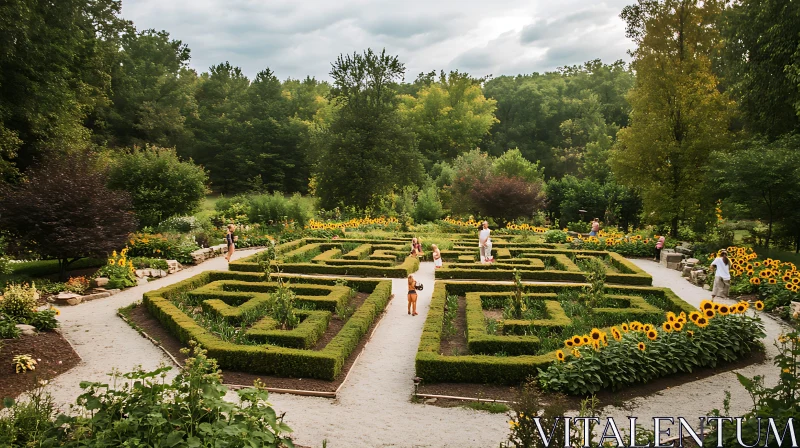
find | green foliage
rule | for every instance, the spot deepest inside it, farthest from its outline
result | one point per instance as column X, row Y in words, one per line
column 679, row 115
column 282, row 306
column 622, row 363
column 428, row 206
column 44, row 320
column 181, row 224
column 555, row 236
column 119, row 272
column 595, row 271
column 167, row 246
column 450, row 313
column 150, row 263
column 780, row 402
column 8, row 328
column 513, row 164
column 276, row 208
column 143, row 410
column 609, row 201
column 160, row 184
column 19, row 301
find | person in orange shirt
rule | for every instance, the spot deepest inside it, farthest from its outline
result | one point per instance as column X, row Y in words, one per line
column 412, row 296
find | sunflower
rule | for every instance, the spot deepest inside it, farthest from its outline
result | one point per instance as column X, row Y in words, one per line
column 641, row 346
column 624, row 328
column 681, row 320
column 709, row 314
column 693, row 316
column 636, row 325
column 724, row 310
column 789, row 286
column 677, row 326
column 652, row 334
column 560, row 355
column 647, row 328
column 796, row 280
column 671, row 317
column 595, row 334
column 569, row 343
column 690, row 333
column 772, row 281
column 596, row 344
column 615, row 333
column 576, row 353
column 577, row 341
column 706, row 305
column 702, row 322
column 682, row 315
column 667, row 326
column 741, row 307
column 755, row 281
column 585, row 339
column 759, row 305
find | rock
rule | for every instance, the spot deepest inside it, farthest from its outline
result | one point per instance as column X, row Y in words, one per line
column 687, row 271
column 706, row 287
column 99, row 282
column 795, row 308
column 430, row 401
column 27, row 330
column 573, row 234
column 139, row 273
column 174, row 266
column 684, row 250
column 95, row 296
column 68, row 298
column 161, row 274
column 111, row 292
column 692, row 261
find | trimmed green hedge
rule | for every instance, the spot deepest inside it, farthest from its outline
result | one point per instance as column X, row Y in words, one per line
column 305, row 335
column 325, row 364
column 434, row 367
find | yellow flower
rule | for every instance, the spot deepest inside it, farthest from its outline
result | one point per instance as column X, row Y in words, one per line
column 709, row 314
column 677, row 326
column 690, row 333
column 759, row 305
column 667, row 326
column 560, row 355
column 724, row 310
column 624, row 328
column 702, row 321
column 641, row 346
column 595, row 334
column 577, row 341
column 569, row 343
column 652, row 334
column 576, row 353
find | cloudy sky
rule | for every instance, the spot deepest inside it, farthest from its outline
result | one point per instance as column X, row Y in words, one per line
column 300, row 38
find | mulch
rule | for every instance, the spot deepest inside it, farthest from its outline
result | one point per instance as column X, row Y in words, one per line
column 53, row 353
column 141, row 318
column 456, row 343
column 607, row 398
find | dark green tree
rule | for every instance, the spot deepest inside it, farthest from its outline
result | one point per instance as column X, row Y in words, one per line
column 366, row 152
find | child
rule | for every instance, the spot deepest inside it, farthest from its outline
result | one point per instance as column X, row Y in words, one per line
column 412, row 296
column 230, row 239
column 437, row 256
column 659, row 246
column 416, row 248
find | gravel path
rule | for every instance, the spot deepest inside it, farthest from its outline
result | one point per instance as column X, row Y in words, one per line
column 698, row 398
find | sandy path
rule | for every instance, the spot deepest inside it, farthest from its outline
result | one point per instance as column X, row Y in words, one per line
column 699, row 397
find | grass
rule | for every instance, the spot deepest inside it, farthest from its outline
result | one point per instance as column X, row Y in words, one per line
column 207, row 207
column 31, row 270
column 783, row 255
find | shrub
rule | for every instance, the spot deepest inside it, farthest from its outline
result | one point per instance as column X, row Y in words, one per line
column 180, row 224
column 555, row 236
column 231, row 210
column 44, row 320
column 66, row 212
column 167, row 246
column 506, row 199
column 8, row 328
column 23, row 363
column 19, row 301
column 78, row 285
column 428, row 207
column 580, row 226
column 149, row 263
column 276, row 208
column 160, row 184
column 119, row 271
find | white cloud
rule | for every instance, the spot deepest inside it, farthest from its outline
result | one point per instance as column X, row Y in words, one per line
column 300, row 38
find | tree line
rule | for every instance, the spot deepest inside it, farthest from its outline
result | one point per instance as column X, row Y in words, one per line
column 706, row 110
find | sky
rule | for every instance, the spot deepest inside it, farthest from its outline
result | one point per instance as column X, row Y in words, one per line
column 301, row 38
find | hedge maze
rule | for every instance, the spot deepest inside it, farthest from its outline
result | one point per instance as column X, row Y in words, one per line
column 542, row 262
column 493, row 349
column 229, row 314
column 366, row 258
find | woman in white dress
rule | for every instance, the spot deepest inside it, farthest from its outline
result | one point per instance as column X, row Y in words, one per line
column 437, row 256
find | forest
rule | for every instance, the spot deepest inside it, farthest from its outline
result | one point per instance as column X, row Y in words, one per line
column 700, row 125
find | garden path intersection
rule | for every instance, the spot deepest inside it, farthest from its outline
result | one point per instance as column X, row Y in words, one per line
column 373, row 407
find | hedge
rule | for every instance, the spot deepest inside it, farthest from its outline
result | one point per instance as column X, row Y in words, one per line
column 325, row 364
column 305, row 335
column 433, row 367
column 230, row 299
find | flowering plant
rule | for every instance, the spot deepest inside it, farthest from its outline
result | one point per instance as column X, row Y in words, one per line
column 119, row 270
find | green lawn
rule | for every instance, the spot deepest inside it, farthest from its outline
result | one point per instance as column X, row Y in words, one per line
column 30, row 270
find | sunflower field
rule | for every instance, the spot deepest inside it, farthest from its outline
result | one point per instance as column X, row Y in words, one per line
column 627, row 245
column 775, row 282
column 633, row 352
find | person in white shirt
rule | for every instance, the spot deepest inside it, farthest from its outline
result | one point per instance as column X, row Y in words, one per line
column 485, row 243
column 722, row 275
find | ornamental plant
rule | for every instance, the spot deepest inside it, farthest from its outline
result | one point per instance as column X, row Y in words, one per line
column 78, row 285
column 23, row 363
column 19, row 301
column 119, row 271
column 638, row 353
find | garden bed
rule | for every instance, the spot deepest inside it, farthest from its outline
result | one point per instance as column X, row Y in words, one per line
column 53, row 353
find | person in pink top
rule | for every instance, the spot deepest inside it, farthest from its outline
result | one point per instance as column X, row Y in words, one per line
column 595, row 227
column 659, row 246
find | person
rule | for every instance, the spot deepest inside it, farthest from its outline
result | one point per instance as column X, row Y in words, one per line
column 485, row 243
column 412, row 296
column 437, row 256
column 230, row 240
column 416, row 248
column 595, row 227
column 659, row 246
column 722, row 275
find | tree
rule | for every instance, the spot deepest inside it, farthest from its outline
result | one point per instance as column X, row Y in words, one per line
column 512, row 164
column 366, row 152
column 505, row 199
column 450, row 116
column 471, row 168
column 762, row 61
column 764, row 177
column 428, row 207
column 159, row 183
column 679, row 116
column 63, row 210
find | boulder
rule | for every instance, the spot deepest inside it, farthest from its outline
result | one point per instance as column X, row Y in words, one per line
column 672, row 260
column 100, row 282
column 173, row 266
column 68, row 298
column 686, row 272
column 27, row 330
column 706, row 287
column 139, row 273
column 111, row 292
column 795, row 308
column 95, row 296
column 684, row 250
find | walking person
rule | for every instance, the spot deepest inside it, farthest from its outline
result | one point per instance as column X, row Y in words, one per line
column 416, row 248
column 659, row 246
column 485, row 243
column 230, row 240
column 412, row 296
column 437, row 256
column 595, row 227
column 722, row 275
